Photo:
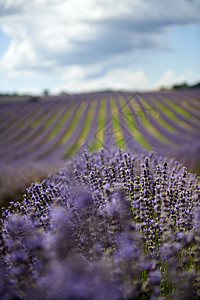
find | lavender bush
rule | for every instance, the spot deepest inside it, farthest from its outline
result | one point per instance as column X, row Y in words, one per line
column 109, row 226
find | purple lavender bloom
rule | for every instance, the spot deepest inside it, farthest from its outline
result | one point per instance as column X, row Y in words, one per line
column 109, row 225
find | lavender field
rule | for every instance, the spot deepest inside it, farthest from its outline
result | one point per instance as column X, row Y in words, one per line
column 40, row 134
column 55, row 128
column 120, row 219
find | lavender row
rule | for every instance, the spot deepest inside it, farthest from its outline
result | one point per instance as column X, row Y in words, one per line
column 108, row 138
column 176, row 98
column 30, row 142
column 34, row 112
column 175, row 125
column 129, row 139
column 24, row 134
column 92, row 131
column 152, row 140
column 61, row 150
column 12, row 122
column 94, row 124
column 176, row 138
column 8, row 111
column 42, row 136
column 24, row 109
column 40, row 139
column 49, row 145
column 192, row 97
column 186, row 120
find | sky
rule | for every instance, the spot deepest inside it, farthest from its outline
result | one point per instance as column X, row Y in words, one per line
column 78, row 46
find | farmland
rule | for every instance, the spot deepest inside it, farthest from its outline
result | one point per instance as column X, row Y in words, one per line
column 41, row 134
column 52, row 129
column 120, row 219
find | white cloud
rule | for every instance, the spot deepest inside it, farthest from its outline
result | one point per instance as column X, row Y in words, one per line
column 115, row 79
column 60, row 30
column 121, row 79
column 169, row 78
column 18, row 56
column 79, row 39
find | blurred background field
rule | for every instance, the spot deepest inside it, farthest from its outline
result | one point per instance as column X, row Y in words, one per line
column 39, row 135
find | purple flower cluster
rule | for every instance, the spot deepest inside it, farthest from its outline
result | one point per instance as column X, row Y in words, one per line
column 110, row 225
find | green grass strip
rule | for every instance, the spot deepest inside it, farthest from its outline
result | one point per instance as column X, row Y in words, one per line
column 37, row 121
column 156, row 116
column 52, row 118
column 61, row 122
column 84, row 133
column 131, row 124
column 153, row 130
column 74, row 122
column 21, row 124
column 165, row 110
column 99, row 140
column 27, row 120
column 117, row 130
column 194, row 100
column 47, row 123
column 170, row 114
column 176, row 107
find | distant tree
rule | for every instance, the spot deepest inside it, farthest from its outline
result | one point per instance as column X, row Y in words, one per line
column 197, row 85
column 46, row 92
column 185, row 86
column 180, row 86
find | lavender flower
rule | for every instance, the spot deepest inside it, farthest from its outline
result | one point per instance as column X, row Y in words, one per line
column 110, row 225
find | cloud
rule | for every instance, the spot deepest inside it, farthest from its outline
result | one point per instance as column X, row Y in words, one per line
column 97, row 36
column 170, row 77
column 10, row 7
column 120, row 79
column 115, row 79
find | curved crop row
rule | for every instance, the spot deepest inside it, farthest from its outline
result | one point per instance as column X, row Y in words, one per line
column 54, row 128
column 62, row 150
column 191, row 97
column 12, row 122
column 186, row 120
column 131, row 142
column 51, row 144
column 32, row 142
column 89, row 128
column 151, row 139
column 29, row 128
column 169, row 122
column 98, row 140
column 156, row 128
column 186, row 105
column 8, row 111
